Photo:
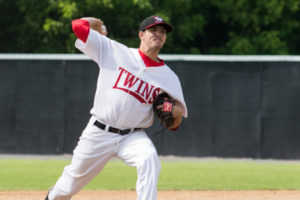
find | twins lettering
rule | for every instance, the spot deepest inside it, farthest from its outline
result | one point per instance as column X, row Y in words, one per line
column 141, row 90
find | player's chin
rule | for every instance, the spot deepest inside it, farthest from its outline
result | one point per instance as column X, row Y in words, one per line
column 158, row 48
column 158, row 45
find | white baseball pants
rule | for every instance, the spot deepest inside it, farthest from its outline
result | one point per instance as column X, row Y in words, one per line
column 95, row 148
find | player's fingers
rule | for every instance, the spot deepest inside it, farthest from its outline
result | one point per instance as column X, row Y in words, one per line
column 103, row 29
column 159, row 106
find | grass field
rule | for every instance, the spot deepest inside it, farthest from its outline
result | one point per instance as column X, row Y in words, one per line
column 40, row 174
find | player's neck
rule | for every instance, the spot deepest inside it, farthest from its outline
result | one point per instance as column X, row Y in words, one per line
column 151, row 53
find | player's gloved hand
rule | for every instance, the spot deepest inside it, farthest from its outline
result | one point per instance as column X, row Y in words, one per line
column 163, row 107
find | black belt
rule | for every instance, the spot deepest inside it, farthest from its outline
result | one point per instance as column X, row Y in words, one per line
column 114, row 130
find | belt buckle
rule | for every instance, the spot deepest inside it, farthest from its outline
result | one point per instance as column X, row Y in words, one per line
column 124, row 132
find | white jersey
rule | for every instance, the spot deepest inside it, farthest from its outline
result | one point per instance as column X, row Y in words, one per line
column 126, row 87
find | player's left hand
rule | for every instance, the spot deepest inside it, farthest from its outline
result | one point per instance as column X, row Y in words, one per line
column 167, row 111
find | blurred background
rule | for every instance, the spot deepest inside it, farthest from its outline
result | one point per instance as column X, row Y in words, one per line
column 202, row 27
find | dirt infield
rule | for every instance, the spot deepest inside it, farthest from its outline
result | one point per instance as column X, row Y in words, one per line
column 162, row 195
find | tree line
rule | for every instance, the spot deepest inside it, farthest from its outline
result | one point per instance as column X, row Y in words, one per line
column 246, row 27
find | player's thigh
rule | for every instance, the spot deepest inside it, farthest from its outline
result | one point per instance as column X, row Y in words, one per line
column 135, row 148
column 82, row 166
column 93, row 151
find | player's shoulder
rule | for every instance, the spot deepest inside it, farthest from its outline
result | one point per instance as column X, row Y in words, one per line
column 170, row 71
column 94, row 35
column 133, row 50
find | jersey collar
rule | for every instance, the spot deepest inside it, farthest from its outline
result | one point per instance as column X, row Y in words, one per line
column 149, row 62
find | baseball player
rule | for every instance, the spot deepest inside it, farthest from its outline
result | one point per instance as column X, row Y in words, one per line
column 128, row 83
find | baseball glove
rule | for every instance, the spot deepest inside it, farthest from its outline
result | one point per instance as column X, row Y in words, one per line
column 162, row 107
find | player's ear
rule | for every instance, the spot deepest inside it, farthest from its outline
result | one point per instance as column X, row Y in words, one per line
column 141, row 34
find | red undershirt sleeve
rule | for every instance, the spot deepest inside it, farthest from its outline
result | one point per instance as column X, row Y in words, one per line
column 81, row 29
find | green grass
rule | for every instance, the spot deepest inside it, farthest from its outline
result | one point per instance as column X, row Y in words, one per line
column 234, row 175
column 33, row 174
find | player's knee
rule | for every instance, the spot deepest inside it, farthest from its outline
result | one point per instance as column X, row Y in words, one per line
column 151, row 160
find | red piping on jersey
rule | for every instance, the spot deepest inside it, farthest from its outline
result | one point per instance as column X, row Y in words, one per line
column 149, row 62
column 81, row 29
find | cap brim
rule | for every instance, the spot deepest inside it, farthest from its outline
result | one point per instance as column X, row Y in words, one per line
column 167, row 26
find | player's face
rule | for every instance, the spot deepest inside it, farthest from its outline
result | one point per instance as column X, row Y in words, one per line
column 154, row 37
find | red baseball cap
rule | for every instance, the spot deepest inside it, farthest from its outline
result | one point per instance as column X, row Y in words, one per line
column 155, row 20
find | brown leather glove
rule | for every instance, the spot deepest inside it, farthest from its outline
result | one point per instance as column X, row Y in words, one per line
column 162, row 107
